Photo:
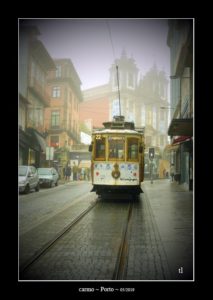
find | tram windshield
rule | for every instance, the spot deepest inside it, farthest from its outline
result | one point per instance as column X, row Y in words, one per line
column 100, row 148
column 132, row 149
column 116, row 148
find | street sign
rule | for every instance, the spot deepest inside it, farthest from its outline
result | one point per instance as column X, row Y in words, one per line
column 49, row 153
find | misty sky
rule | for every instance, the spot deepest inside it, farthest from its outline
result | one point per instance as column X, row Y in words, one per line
column 87, row 43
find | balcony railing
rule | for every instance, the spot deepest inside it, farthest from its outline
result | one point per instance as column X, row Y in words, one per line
column 56, row 129
column 36, row 125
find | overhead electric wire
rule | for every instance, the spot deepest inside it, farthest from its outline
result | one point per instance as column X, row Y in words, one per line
column 113, row 50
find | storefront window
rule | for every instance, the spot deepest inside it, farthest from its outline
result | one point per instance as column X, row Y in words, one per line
column 31, row 157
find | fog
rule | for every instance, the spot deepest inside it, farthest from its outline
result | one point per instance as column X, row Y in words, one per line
column 93, row 44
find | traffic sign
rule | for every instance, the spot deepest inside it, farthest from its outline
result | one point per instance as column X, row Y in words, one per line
column 151, row 153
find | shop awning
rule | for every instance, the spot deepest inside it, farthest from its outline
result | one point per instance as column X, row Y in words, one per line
column 172, row 147
column 41, row 141
column 181, row 127
column 181, row 139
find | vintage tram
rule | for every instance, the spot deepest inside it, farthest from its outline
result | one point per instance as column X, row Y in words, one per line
column 117, row 161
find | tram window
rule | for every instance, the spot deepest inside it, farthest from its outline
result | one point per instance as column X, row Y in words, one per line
column 100, row 149
column 116, row 149
column 133, row 148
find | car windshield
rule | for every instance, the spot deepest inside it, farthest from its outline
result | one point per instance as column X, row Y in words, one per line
column 22, row 171
column 44, row 171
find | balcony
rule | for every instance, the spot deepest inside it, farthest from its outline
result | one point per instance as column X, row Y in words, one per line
column 39, row 91
column 57, row 129
column 34, row 124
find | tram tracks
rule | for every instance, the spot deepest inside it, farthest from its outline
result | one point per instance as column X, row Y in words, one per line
column 116, row 255
column 53, row 241
column 122, row 258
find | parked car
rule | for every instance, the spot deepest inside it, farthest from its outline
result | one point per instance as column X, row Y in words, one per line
column 28, row 179
column 48, row 176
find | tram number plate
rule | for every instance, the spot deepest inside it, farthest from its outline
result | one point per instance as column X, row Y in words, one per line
column 98, row 137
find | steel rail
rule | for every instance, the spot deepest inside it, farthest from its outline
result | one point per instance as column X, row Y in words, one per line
column 121, row 262
column 51, row 243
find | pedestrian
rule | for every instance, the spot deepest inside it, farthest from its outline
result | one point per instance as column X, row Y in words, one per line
column 64, row 173
column 83, row 174
column 87, row 174
column 172, row 172
column 68, row 172
column 75, row 171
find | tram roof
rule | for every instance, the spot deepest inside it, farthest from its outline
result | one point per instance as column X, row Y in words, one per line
column 118, row 125
column 119, row 131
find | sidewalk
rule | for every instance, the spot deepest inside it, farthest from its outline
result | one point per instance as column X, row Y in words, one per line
column 173, row 211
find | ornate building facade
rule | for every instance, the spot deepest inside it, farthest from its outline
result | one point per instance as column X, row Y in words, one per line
column 140, row 100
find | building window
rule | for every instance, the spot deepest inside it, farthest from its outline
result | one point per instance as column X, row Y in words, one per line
column 37, row 76
column 58, row 72
column 115, row 81
column 54, row 141
column 55, row 118
column 31, row 157
column 130, row 80
column 35, row 116
column 56, row 92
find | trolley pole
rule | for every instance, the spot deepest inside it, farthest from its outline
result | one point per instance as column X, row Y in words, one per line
column 118, row 91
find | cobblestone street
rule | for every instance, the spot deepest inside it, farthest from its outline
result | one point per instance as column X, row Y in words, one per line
column 160, row 239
